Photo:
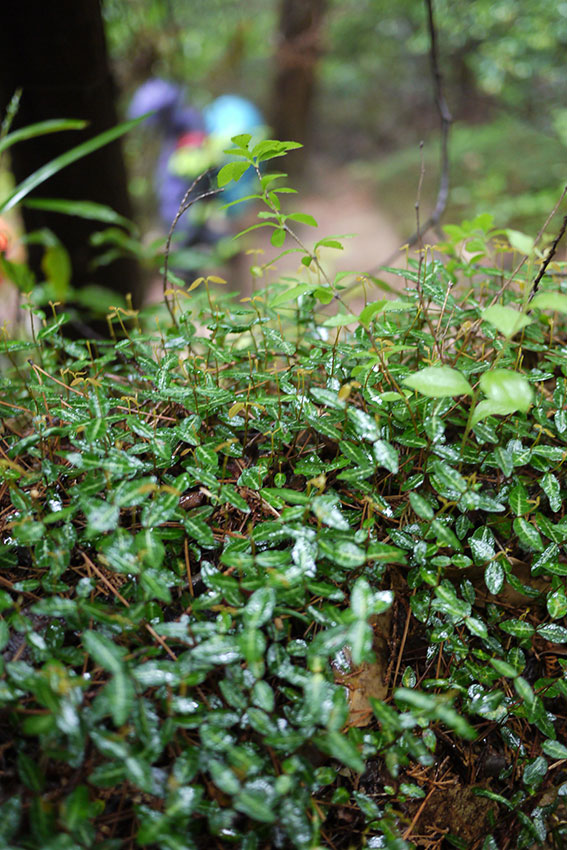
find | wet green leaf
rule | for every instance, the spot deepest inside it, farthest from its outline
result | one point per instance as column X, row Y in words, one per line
column 507, row 388
column 340, row 747
column 534, row 772
column 519, row 500
column 62, row 161
column 554, row 749
column 197, row 528
column 518, row 628
column 327, row 511
column 364, row 425
column 343, row 552
column 557, row 603
column 494, row 576
column 100, row 515
column 421, row 506
column 553, row 633
column 550, row 301
column 255, row 805
column 386, row 455
column 161, row 509
column 105, row 653
column 260, row 607
column 550, row 486
column 439, row 382
column 505, row 319
column 528, row 535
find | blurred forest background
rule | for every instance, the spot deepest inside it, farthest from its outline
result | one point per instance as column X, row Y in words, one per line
column 366, row 98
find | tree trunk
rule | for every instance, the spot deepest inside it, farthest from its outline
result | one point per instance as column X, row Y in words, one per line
column 56, row 52
column 296, row 60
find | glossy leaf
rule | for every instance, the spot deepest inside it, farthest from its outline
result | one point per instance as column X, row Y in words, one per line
column 557, row 603
column 255, row 805
column 506, row 388
column 41, row 128
column 494, row 576
column 553, row 633
column 121, row 694
column 344, row 553
column 386, row 455
column 421, row 506
column 554, row 749
column 105, row 652
column 519, row 500
column 550, row 301
column 364, row 425
column 439, row 382
column 341, row 748
column 449, row 477
column 81, row 209
column 101, row 516
column 507, row 320
column 198, row 529
column 161, row 509
column 551, row 487
column 518, row 628
column 49, row 169
column 528, row 535
column 326, row 510
column 260, row 607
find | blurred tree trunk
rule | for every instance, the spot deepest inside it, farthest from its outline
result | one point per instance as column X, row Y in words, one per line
column 299, row 47
column 56, row 52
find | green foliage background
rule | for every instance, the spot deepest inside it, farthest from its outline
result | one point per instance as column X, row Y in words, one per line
column 503, row 67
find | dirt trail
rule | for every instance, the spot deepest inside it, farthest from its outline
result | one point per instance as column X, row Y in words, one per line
column 340, row 204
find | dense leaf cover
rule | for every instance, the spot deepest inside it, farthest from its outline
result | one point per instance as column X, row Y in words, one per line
column 283, row 577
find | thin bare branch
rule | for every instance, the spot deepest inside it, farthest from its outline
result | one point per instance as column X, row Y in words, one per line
column 446, row 121
column 183, row 207
column 548, row 259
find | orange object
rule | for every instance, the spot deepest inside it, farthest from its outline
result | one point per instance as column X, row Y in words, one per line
column 11, row 246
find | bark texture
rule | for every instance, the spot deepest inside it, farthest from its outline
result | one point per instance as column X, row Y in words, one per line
column 56, row 53
column 299, row 48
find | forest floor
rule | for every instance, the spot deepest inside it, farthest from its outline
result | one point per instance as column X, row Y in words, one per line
column 341, row 204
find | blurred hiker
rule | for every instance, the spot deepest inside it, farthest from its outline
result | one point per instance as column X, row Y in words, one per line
column 175, row 122
column 193, row 143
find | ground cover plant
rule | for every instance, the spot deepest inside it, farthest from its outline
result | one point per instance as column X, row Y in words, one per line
column 288, row 573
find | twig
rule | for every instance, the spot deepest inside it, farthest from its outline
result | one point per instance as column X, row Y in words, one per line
column 446, row 121
column 419, row 234
column 183, row 207
column 475, row 325
column 150, row 629
column 418, row 814
column 548, row 259
column 418, row 230
column 522, row 262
